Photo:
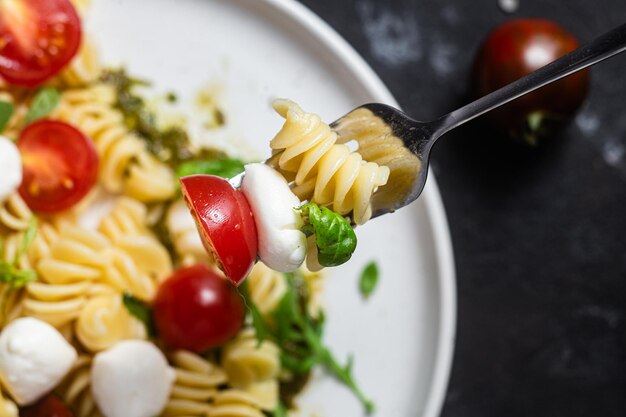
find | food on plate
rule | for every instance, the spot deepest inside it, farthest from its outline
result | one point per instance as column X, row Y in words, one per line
column 225, row 223
column 38, row 39
column 109, row 304
column 197, row 309
column 282, row 244
column 515, row 49
column 34, row 357
column 59, row 163
column 131, row 379
column 324, row 172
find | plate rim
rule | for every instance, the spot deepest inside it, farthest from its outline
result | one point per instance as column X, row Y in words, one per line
column 431, row 196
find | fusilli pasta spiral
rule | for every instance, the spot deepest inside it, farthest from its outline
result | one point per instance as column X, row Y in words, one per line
column 324, row 171
column 197, row 382
column 104, row 321
column 377, row 143
column 126, row 226
column 14, row 213
column 125, row 163
column 235, row 403
column 66, row 274
column 247, row 362
column 266, row 287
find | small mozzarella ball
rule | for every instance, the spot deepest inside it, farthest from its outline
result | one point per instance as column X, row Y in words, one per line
column 131, row 379
column 34, row 358
column 11, row 163
column 282, row 245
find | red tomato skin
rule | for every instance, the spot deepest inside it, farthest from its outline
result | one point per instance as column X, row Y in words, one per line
column 517, row 48
column 197, row 309
column 49, row 406
column 225, row 223
column 56, row 23
column 60, row 165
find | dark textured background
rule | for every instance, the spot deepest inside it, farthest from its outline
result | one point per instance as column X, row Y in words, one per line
column 538, row 234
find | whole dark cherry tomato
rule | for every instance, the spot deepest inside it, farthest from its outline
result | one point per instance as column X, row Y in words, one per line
column 49, row 406
column 60, row 165
column 197, row 309
column 225, row 223
column 37, row 39
column 515, row 49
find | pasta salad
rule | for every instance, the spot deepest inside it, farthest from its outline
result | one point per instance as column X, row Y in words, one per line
column 114, row 300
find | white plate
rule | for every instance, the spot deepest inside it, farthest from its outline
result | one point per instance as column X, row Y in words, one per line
column 254, row 51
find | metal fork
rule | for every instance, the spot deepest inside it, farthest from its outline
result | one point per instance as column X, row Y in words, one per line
column 419, row 137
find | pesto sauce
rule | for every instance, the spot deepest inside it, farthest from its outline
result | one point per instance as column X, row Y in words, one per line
column 171, row 145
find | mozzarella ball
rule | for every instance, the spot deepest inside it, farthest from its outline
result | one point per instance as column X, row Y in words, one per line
column 131, row 379
column 282, row 245
column 11, row 163
column 34, row 358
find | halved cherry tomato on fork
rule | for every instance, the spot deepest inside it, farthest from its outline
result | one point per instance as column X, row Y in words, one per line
column 37, row 38
column 225, row 223
column 60, row 165
column 197, row 309
column 49, row 406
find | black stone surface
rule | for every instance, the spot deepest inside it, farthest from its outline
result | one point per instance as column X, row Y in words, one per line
column 538, row 233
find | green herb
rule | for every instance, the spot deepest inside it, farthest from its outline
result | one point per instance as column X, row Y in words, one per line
column 279, row 411
column 140, row 310
column 223, row 167
column 15, row 277
column 43, row 103
column 334, row 236
column 260, row 327
column 6, row 111
column 10, row 273
column 299, row 336
column 368, row 279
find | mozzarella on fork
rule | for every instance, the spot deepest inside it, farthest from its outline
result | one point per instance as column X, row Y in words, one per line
column 11, row 163
column 34, row 358
column 131, row 379
column 282, row 244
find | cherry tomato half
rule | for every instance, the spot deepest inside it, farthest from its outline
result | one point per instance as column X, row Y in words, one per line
column 515, row 49
column 60, row 165
column 37, row 38
column 49, row 406
column 225, row 223
column 197, row 309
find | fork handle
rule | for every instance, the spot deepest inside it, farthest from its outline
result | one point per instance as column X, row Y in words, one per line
column 603, row 47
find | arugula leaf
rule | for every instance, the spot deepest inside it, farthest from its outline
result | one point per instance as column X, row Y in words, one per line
column 27, row 239
column 299, row 336
column 260, row 327
column 6, row 111
column 43, row 103
column 334, row 236
column 368, row 279
column 140, row 310
column 223, row 167
column 9, row 272
column 15, row 277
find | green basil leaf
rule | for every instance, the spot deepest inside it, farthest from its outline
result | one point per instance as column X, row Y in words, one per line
column 43, row 103
column 223, row 167
column 140, row 310
column 334, row 236
column 6, row 111
column 368, row 279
